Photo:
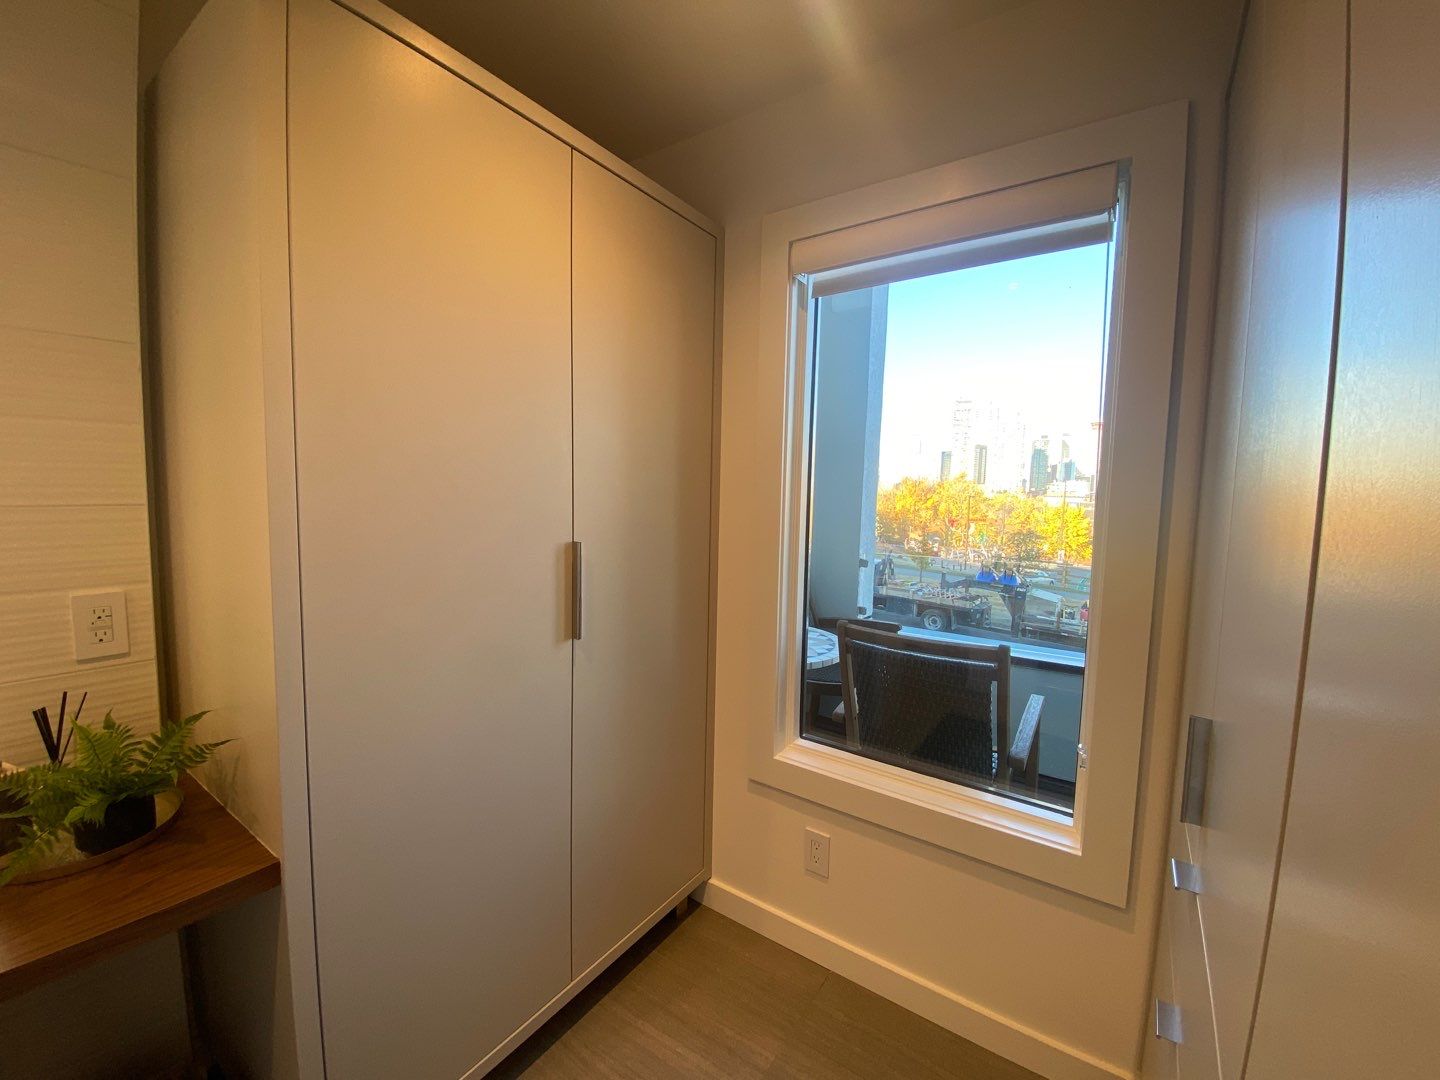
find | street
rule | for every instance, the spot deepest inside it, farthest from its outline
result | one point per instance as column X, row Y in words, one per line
column 906, row 568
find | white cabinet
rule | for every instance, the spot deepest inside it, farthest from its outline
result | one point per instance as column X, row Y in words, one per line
column 430, row 255
column 1314, row 950
column 1265, row 443
column 644, row 281
column 1352, row 967
column 495, row 348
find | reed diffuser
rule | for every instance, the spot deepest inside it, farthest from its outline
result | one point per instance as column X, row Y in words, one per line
column 52, row 736
column 56, row 741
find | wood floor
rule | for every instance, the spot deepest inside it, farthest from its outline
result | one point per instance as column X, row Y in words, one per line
column 705, row 997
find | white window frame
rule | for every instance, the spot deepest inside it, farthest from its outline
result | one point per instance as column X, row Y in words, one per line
column 1090, row 852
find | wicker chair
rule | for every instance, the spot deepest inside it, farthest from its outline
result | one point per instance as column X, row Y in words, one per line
column 824, row 682
column 916, row 701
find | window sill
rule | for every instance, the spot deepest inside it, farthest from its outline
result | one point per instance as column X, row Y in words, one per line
column 989, row 810
column 1028, row 840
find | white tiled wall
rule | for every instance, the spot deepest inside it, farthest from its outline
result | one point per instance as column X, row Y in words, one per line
column 73, row 512
column 72, row 468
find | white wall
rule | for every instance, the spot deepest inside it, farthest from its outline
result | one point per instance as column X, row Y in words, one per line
column 73, row 513
column 122, row 1017
column 73, row 510
column 162, row 22
column 1048, row 978
column 214, row 118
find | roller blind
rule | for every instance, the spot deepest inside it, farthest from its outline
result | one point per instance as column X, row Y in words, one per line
column 1052, row 214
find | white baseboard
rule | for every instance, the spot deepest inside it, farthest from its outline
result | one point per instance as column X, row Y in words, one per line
column 994, row 1032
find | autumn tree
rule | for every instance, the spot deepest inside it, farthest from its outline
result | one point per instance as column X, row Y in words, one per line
column 936, row 517
column 959, row 502
column 1012, row 529
column 905, row 513
column 1068, row 534
column 891, row 525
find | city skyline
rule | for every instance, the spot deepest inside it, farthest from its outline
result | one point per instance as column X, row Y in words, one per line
column 1000, row 433
column 1021, row 341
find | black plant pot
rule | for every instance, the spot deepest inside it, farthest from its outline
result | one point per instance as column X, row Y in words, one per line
column 10, row 828
column 125, row 820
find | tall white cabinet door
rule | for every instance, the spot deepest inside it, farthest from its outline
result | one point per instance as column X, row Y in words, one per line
column 430, row 246
column 1273, row 369
column 644, row 344
column 1352, row 973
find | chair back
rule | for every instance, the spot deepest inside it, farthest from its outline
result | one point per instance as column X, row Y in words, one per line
column 910, row 699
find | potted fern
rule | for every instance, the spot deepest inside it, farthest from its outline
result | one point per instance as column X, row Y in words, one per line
column 106, row 796
column 12, row 812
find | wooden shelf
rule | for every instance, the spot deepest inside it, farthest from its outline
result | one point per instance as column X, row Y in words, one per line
column 203, row 863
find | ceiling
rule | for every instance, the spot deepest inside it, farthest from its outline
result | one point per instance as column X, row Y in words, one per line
column 638, row 75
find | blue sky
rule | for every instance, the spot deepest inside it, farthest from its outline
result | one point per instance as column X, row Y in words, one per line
column 1026, row 334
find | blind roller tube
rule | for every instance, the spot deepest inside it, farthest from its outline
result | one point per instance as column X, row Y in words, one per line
column 1060, row 236
column 1084, row 194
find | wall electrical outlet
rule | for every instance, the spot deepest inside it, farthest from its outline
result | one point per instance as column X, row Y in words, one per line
column 817, row 853
column 100, row 625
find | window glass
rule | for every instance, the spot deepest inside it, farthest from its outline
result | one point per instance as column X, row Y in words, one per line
column 955, row 462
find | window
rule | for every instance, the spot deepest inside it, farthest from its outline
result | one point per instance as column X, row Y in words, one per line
column 976, row 365
column 954, row 463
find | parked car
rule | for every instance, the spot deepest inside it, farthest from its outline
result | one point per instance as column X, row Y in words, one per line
column 1039, row 577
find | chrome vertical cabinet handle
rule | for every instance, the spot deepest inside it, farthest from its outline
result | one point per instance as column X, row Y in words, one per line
column 577, row 610
column 1197, row 771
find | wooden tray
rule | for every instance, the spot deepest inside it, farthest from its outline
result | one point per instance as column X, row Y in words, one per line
column 65, row 859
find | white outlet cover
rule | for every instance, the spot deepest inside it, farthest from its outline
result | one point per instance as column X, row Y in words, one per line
column 100, row 625
column 817, row 853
